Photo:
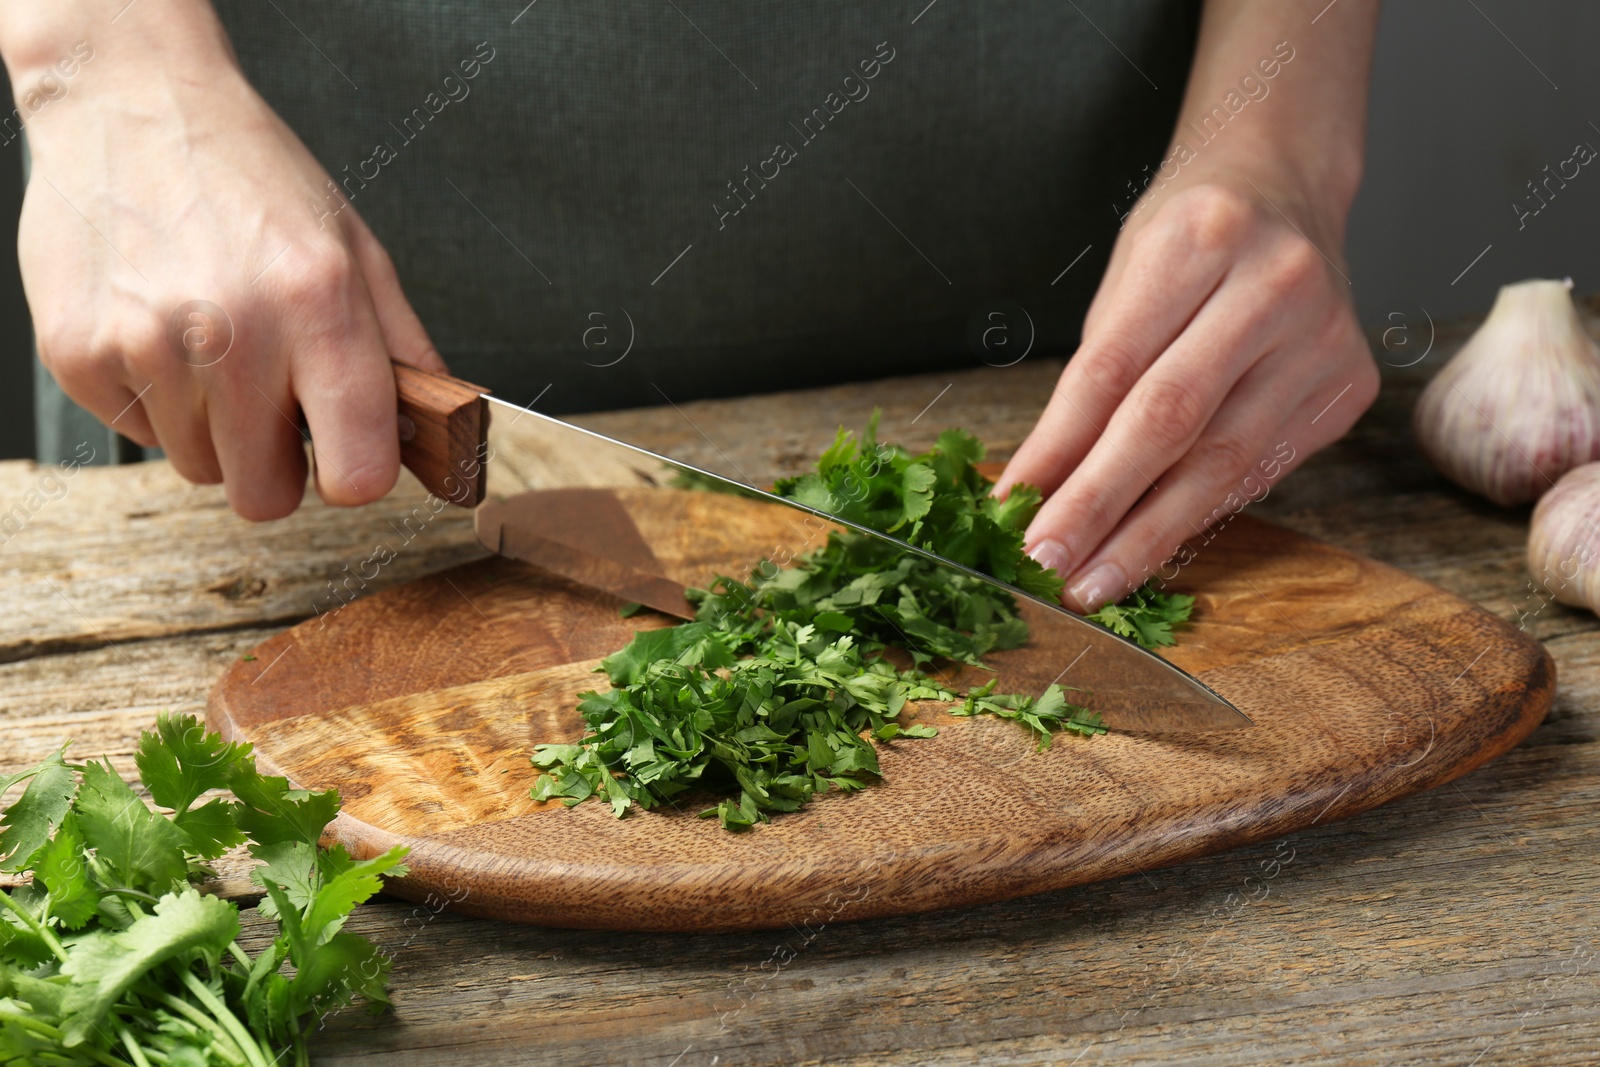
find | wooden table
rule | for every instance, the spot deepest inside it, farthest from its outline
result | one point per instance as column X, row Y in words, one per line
column 1456, row 927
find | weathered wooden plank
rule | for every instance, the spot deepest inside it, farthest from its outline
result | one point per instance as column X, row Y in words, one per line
column 134, row 553
column 1380, row 940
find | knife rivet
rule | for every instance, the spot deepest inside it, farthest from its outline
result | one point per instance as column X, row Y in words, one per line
column 408, row 429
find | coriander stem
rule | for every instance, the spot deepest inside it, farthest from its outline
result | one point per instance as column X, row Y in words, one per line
column 241, row 1036
column 33, row 924
column 134, row 1051
column 224, row 1040
column 241, row 956
column 44, row 1029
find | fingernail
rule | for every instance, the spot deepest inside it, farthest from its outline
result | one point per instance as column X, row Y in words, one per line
column 1104, row 583
column 1052, row 554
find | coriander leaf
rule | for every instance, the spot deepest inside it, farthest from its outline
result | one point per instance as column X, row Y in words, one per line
column 690, row 644
column 1146, row 616
column 63, row 868
column 955, row 453
column 181, row 759
column 344, row 882
column 344, row 967
column 19, row 944
column 289, row 865
column 270, row 811
column 27, row 823
column 916, row 492
column 140, row 848
column 211, row 829
column 103, row 966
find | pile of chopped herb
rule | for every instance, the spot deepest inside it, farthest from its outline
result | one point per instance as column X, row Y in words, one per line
column 780, row 688
column 109, row 955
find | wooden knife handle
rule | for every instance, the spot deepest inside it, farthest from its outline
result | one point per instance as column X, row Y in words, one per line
column 444, row 443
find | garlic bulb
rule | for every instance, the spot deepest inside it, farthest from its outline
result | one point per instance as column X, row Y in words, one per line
column 1519, row 405
column 1564, row 539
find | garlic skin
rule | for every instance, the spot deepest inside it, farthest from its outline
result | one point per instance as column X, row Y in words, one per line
column 1564, row 538
column 1519, row 405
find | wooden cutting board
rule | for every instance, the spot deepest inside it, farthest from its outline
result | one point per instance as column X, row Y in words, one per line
column 421, row 705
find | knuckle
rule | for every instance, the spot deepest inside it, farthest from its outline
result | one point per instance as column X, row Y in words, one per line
column 141, row 341
column 1214, row 217
column 319, row 277
column 1170, row 412
column 62, row 347
column 1294, row 268
column 1224, row 455
column 1110, row 369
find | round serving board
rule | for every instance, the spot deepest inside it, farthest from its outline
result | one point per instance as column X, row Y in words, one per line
column 421, row 705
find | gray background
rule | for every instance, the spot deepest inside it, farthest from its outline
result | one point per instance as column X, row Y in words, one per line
column 1471, row 99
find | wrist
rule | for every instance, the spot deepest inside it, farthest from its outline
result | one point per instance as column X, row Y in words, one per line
column 46, row 47
column 1315, row 205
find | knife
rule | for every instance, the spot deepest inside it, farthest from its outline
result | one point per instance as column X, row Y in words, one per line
column 576, row 503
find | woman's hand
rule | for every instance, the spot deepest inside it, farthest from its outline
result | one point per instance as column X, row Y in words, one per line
column 1222, row 349
column 159, row 178
column 1219, row 353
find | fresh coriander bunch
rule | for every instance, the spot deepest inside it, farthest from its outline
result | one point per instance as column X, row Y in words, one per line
column 110, row 955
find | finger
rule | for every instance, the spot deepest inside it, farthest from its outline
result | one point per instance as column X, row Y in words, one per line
column 258, row 443
column 133, row 423
column 1244, row 452
column 1155, row 426
column 176, row 407
column 94, row 377
column 403, row 332
column 114, row 404
column 341, row 375
column 1234, row 461
column 1172, row 270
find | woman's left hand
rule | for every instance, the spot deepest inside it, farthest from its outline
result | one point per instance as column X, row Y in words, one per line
column 1219, row 353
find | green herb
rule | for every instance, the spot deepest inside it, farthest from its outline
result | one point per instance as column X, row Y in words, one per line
column 1049, row 711
column 773, row 716
column 1147, row 616
column 630, row 609
column 779, row 689
column 936, row 500
column 111, row 956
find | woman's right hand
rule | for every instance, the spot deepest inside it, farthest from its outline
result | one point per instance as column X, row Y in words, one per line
column 159, row 179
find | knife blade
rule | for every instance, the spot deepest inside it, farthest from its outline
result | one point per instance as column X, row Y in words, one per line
column 575, row 502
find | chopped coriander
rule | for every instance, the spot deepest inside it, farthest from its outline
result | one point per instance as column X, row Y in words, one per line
column 111, row 956
column 1050, row 710
column 937, row 500
column 779, row 689
column 630, row 609
column 1147, row 616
